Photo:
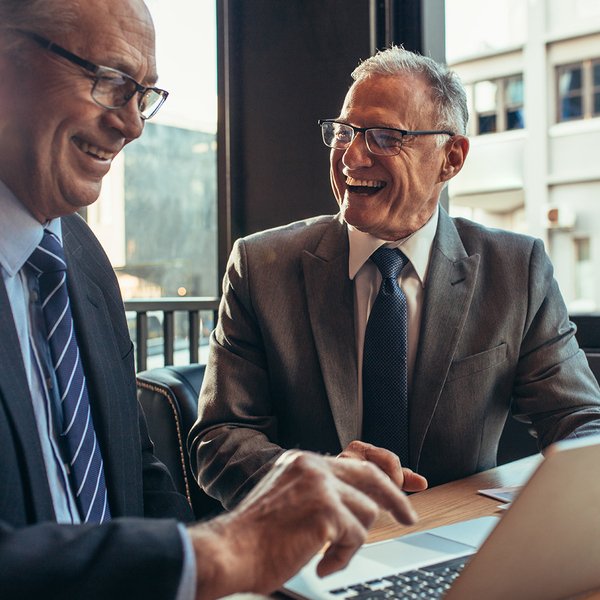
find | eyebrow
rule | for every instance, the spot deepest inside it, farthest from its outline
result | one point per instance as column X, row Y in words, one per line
column 117, row 63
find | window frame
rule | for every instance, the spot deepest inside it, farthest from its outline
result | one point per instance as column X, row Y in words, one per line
column 502, row 105
column 588, row 89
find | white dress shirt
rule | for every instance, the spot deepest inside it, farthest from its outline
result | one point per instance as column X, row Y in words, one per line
column 367, row 281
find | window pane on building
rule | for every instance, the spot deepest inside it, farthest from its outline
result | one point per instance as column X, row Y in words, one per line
column 514, row 119
column 485, row 96
column 487, row 124
column 513, row 100
column 570, row 80
column 571, row 108
column 514, row 91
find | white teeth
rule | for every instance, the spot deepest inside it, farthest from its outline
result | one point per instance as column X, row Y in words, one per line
column 89, row 149
column 364, row 182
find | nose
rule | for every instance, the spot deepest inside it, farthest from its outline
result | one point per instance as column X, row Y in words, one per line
column 357, row 154
column 126, row 119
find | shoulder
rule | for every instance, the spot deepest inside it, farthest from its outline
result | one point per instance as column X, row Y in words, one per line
column 299, row 233
column 290, row 240
column 477, row 238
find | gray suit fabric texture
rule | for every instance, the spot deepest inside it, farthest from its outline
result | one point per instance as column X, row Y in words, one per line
column 282, row 370
column 130, row 556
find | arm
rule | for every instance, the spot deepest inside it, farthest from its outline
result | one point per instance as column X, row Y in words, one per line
column 233, row 443
column 305, row 502
column 554, row 387
column 124, row 558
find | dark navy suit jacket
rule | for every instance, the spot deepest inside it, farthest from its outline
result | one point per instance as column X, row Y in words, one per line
column 129, row 557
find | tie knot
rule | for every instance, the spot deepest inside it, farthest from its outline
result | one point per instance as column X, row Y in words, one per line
column 48, row 257
column 389, row 261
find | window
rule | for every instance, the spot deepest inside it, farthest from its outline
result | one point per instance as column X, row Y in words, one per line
column 157, row 214
column 499, row 104
column 579, row 90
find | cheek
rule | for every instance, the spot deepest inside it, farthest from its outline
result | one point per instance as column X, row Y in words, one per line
column 335, row 173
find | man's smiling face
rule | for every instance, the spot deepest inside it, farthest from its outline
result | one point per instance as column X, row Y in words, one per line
column 57, row 143
column 389, row 196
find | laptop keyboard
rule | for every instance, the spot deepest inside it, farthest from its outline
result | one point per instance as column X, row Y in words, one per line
column 428, row 582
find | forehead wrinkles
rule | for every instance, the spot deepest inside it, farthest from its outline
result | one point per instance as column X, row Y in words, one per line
column 117, row 34
column 393, row 101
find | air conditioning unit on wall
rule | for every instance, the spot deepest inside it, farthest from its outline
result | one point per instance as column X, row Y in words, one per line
column 560, row 217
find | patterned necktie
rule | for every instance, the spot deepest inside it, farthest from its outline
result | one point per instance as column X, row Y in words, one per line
column 85, row 460
column 385, row 388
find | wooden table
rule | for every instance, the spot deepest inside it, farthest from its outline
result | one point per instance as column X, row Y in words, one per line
column 458, row 501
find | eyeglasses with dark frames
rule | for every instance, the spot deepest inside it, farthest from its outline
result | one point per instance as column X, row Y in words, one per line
column 112, row 89
column 382, row 141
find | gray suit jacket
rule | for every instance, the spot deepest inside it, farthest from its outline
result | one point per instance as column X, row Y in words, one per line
column 282, row 371
column 133, row 558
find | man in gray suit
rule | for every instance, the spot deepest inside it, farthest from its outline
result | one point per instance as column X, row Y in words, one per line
column 487, row 328
column 78, row 82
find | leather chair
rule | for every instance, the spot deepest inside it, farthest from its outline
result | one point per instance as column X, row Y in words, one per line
column 169, row 397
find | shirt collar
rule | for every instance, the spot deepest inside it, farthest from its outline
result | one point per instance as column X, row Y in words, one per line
column 20, row 232
column 416, row 247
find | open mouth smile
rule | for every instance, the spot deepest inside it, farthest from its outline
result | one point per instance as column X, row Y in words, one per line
column 363, row 186
column 92, row 150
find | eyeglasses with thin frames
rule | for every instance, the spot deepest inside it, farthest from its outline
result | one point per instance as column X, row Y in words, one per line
column 112, row 89
column 382, row 141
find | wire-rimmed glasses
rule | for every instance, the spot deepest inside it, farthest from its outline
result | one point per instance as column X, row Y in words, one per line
column 383, row 141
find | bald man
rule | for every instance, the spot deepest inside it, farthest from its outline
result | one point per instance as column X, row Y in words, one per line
column 78, row 479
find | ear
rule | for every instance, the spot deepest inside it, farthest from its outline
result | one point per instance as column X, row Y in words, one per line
column 456, row 151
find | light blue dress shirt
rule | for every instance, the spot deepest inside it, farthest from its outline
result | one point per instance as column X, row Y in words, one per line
column 20, row 234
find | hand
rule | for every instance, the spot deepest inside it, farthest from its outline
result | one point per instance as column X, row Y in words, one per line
column 388, row 462
column 303, row 503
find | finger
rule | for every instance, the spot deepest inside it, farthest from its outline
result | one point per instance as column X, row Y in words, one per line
column 356, row 450
column 387, row 461
column 413, row 482
column 371, row 481
column 352, row 536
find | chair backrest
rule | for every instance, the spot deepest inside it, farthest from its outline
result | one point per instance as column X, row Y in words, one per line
column 169, row 397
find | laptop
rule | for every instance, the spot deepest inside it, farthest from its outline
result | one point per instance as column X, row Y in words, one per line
column 546, row 546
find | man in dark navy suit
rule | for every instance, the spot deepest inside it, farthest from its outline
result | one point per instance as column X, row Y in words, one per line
column 78, row 82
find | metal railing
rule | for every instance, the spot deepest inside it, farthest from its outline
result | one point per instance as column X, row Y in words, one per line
column 168, row 307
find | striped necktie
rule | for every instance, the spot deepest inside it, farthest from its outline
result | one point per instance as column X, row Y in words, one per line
column 83, row 453
column 385, row 386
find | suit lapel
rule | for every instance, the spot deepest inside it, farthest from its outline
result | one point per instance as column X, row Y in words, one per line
column 330, row 301
column 102, row 360
column 449, row 290
column 16, row 397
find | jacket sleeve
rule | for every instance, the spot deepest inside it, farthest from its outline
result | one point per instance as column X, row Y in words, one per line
column 554, row 388
column 123, row 558
column 232, row 444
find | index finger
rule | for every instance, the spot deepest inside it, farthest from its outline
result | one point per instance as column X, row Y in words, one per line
column 371, row 481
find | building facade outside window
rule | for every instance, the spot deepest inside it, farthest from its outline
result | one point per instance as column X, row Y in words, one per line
column 532, row 75
column 578, row 90
column 498, row 104
column 584, row 271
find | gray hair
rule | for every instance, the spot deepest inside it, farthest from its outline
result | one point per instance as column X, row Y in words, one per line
column 447, row 91
column 45, row 17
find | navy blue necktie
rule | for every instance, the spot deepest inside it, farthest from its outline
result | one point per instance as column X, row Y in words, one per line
column 85, row 460
column 385, row 386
